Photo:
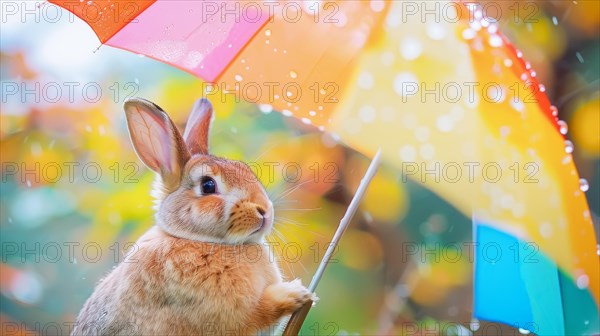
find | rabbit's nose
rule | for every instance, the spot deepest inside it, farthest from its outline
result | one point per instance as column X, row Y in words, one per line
column 261, row 211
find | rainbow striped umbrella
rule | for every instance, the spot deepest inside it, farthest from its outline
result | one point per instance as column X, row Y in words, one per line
column 450, row 101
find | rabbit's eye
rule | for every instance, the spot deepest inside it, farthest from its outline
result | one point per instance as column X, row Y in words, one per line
column 208, row 185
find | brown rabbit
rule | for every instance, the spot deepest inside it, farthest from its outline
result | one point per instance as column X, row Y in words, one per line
column 204, row 268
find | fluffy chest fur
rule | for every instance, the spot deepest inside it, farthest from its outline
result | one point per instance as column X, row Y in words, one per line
column 176, row 286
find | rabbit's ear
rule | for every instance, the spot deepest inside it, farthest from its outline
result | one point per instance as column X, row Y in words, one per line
column 198, row 127
column 156, row 140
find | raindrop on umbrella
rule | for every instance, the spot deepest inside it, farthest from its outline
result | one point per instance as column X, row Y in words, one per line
column 568, row 147
column 583, row 281
column 584, row 185
column 563, row 128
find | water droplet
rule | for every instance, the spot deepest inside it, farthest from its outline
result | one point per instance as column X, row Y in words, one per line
column 422, row 133
column 583, row 281
column 444, row 123
column 238, row 78
column 533, row 73
column 469, row 34
column 475, row 25
column 517, row 104
column 524, row 76
column 527, row 65
column 554, row 111
column 411, row 48
column 584, row 185
column 524, row 331
column 342, row 20
column 36, row 149
column 312, row 113
column 293, row 74
column 90, row 2
column 404, row 80
column 598, row 249
column 519, row 54
column 474, row 325
column 555, row 20
column 546, row 230
column 365, row 80
column 563, row 127
column 229, row 45
column 568, row 147
column 306, row 121
column 377, row 5
column 286, row 113
column 436, row 31
column 265, row 108
column 579, row 57
column 542, row 87
column 408, row 153
column 508, row 62
column 495, row 41
column 367, row 113
column 427, row 151
column 268, row 32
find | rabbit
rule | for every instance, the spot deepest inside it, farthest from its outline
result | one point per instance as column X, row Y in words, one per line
column 204, row 268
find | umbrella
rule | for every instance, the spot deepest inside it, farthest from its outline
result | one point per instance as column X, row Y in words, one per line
column 478, row 130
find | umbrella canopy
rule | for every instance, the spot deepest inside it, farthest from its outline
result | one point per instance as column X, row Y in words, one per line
column 451, row 102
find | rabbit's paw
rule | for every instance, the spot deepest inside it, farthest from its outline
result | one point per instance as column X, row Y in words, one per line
column 289, row 296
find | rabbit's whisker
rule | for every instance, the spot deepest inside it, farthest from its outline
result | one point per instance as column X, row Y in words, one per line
column 298, row 209
column 291, row 190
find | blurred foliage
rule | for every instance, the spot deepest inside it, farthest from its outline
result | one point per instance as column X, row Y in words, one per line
column 373, row 286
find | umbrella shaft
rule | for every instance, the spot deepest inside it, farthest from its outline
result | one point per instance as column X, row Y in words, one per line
column 345, row 222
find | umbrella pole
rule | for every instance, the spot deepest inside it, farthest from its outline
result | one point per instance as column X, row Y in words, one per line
column 297, row 319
